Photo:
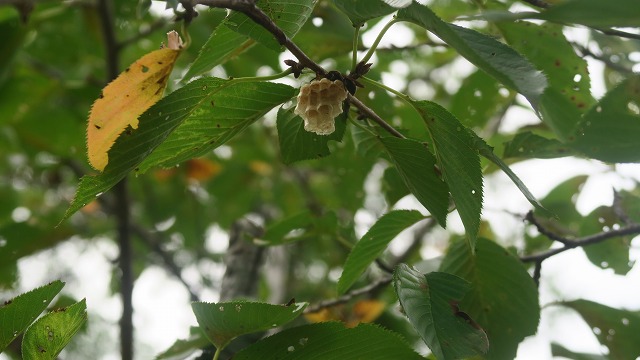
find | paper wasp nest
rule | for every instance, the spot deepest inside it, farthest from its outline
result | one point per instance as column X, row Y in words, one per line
column 319, row 102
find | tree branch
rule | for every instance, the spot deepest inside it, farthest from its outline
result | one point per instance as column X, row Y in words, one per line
column 350, row 295
column 121, row 205
column 633, row 229
column 538, row 3
column 249, row 8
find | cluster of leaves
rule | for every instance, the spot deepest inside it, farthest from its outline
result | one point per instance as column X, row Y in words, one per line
column 479, row 300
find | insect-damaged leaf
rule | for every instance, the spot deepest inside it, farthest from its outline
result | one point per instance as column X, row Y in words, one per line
column 127, row 97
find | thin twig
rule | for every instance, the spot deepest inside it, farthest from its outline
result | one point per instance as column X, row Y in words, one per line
column 574, row 243
column 348, row 296
column 154, row 244
column 250, row 9
column 584, row 51
column 365, row 110
column 619, row 33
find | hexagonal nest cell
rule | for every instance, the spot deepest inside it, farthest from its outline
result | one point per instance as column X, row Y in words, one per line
column 319, row 102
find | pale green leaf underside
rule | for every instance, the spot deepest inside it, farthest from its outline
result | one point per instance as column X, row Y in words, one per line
column 488, row 54
column 330, row 340
column 373, row 243
column 503, row 298
column 431, row 304
column 18, row 313
column 289, row 15
column 417, row 167
column 459, row 162
column 46, row 338
column 529, row 145
column 224, row 321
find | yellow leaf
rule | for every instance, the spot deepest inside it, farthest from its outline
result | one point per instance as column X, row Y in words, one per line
column 127, row 97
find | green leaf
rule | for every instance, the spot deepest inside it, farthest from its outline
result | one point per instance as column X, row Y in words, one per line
column 330, row 340
column 615, row 328
column 611, row 253
column 373, row 243
column 227, row 112
column 611, row 129
column 394, row 187
column 528, row 145
column 297, row 144
column 488, row 54
column 192, row 110
column 359, row 11
column 596, row 13
column 276, row 234
column 289, row 15
column 181, row 349
column 459, row 162
column 431, row 304
column 547, row 48
column 222, row 45
column 224, row 321
column 17, row 314
column 503, row 298
column 46, row 338
column 367, row 143
column 559, row 113
column 154, row 126
column 417, row 167
column 487, row 151
column 558, row 350
column 478, row 100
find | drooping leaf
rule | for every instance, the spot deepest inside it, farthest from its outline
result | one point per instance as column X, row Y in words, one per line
column 503, row 298
column 612, row 253
column 297, row 144
column 46, row 338
column 191, row 104
column 616, row 329
column 18, row 313
column 547, row 48
column 610, row 130
column 222, row 45
column 528, row 145
column 459, row 162
column 431, row 304
column 227, row 112
column 224, row 321
column 488, row 54
column 620, row 13
column 330, row 340
column 126, row 98
column 359, row 11
column 417, row 167
column 154, row 127
column 289, row 15
column 487, row 151
column 373, row 243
